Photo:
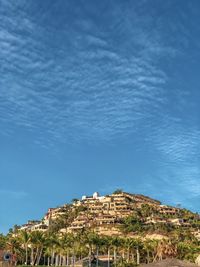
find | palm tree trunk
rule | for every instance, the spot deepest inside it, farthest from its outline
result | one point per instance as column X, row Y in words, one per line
column 26, row 255
column 138, row 256
column 73, row 258
column 60, row 260
column 132, row 257
column 148, row 257
column 39, row 256
column 115, row 256
column 64, row 261
column 108, row 257
column 90, row 254
column 57, row 258
column 52, row 257
column 32, row 256
column 128, row 255
column 97, row 263
column 36, row 256
column 67, row 258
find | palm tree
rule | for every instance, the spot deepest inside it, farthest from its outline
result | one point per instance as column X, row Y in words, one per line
column 51, row 246
column 149, row 248
column 108, row 245
column 128, row 245
column 132, row 246
column 25, row 239
column 37, row 241
column 99, row 244
column 165, row 248
column 13, row 245
column 90, row 239
column 66, row 243
column 139, row 245
column 116, row 243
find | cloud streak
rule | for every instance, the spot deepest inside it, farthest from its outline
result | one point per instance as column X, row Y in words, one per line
column 75, row 79
column 13, row 194
column 92, row 93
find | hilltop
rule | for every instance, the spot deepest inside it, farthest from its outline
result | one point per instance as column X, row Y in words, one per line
column 116, row 214
column 118, row 229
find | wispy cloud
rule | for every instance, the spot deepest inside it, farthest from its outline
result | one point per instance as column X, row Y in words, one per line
column 86, row 81
column 5, row 194
column 89, row 90
column 101, row 72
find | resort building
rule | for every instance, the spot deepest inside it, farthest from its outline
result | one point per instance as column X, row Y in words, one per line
column 34, row 226
column 164, row 209
column 104, row 214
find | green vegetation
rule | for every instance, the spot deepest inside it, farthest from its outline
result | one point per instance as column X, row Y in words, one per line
column 118, row 191
column 132, row 224
column 133, row 245
column 56, row 249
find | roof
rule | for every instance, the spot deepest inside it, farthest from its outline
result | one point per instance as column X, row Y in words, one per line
column 170, row 263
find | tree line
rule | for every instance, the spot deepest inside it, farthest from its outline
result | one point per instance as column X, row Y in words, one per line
column 56, row 249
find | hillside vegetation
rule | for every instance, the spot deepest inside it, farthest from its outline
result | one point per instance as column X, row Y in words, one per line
column 127, row 228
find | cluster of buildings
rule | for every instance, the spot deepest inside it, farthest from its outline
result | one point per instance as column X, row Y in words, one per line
column 105, row 213
column 43, row 225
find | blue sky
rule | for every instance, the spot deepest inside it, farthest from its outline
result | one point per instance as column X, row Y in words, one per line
column 94, row 96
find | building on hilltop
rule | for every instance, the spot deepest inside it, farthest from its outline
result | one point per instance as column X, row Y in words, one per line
column 106, row 214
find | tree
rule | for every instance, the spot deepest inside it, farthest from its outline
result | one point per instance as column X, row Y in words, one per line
column 2, row 241
column 149, row 247
column 165, row 249
column 13, row 245
column 75, row 200
column 116, row 242
column 25, row 239
column 66, row 243
column 118, row 191
column 51, row 245
column 131, row 224
column 37, row 242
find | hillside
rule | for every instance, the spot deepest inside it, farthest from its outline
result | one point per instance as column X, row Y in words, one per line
column 119, row 229
column 119, row 213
